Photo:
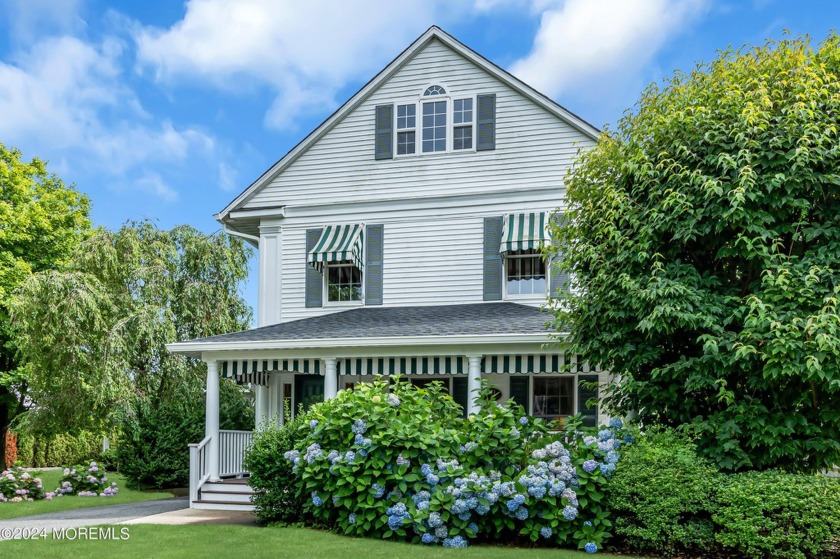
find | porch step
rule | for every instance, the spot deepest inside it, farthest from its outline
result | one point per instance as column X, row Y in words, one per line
column 228, row 486
column 226, row 496
column 222, row 505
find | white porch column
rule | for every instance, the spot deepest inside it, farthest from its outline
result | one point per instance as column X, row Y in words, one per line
column 473, row 383
column 259, row 412
column 211, row 427
column 330, row 378
column 264, row 404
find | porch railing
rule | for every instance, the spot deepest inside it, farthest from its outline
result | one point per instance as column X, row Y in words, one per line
column 199, row 467
column 232, row 447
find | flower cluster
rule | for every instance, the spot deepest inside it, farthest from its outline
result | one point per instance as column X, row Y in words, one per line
column 389, row 460
column 18, row 485
column 88, row 482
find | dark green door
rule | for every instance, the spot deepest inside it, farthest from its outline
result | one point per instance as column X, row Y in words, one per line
column 309, row 389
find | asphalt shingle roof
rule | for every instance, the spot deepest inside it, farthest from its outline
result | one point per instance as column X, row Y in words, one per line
column 395, row 322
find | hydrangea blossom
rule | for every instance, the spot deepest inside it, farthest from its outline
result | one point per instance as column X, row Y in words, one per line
column 570, row 513
column 589, row 466
column 590, row 547
column 394, row 400
column 616, row 423
column 523, row 420
column 352, row 518
column 316, row 499
column 313, row 423
column 359, row 427
column 457, row 541
column 428, row 538
column 378, row 490
column 546, row 532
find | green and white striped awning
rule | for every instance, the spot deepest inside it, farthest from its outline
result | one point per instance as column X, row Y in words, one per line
column 255, row 371
column 444, row 365
column 524, row 231
column 339, row 243
column 527, row 364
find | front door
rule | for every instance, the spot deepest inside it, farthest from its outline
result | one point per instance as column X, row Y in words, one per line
column 309, row 389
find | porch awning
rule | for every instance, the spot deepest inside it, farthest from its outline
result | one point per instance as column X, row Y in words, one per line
column 524, row 231
column 538, row 363
column 443, row 365
column 339, row 243
column 255, row 371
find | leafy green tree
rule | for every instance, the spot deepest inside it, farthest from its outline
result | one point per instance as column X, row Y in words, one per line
column 94, row 334
column 704, row 240
column 42, row 221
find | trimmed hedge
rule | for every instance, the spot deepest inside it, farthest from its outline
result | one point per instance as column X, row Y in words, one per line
column 661, row 495
column 776, row 514
column 44, row 451
column 666, row 499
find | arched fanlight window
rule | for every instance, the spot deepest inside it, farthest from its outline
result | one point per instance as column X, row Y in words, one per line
column 434, row 90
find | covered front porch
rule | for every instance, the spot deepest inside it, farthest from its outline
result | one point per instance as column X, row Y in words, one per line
column 288, row 369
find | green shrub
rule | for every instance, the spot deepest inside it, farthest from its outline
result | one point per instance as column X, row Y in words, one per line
column 44, row 451
column 661, row 496
column 388, row 459
column 153, row 450
column 778, row 515
column 277, row 497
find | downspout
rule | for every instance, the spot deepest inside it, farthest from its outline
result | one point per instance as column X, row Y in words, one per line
column 252, row 238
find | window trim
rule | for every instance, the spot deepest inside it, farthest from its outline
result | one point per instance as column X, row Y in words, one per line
column 326, row 287
column 418, row 102
column 532, row 386
column 525, row 296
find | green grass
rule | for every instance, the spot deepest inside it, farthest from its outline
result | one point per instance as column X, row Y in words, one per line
column 146, row 540
column 52, row 478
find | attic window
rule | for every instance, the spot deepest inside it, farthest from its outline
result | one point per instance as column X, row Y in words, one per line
column 434, row 90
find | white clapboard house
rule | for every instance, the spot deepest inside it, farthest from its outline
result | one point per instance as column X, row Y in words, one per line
column 402, row 236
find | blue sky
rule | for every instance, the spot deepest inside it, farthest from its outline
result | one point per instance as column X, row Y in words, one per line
column 167, row 110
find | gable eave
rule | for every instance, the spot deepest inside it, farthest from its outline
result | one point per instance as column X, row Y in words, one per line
column 392, row 68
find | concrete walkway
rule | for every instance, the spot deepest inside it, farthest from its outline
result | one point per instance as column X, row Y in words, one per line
column 108, row 514
column 198, row 516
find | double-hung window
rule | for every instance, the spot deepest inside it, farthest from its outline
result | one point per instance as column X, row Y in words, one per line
column 406, row 128
column 553, row 397
column 462, row 124
column 523, row 237
column 434, row 126
column 525, row 272
column 344, row 282
column 339, row 256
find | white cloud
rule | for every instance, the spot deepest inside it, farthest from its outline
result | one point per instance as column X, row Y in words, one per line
column 612, row 40
column 30, row 18
column 305, row 51
column 67, row 97
column 227, row 177
column 154, row 184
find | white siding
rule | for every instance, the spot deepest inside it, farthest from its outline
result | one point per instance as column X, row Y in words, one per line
column 432, row 206
column 431, row 256
column 533, row 147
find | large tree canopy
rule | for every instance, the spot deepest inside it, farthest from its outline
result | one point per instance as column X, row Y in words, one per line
column 94, row 334
column 704, row 240
column 42, row 221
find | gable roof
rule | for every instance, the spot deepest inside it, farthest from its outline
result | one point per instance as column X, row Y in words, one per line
column 360, row 96
column 374, row 325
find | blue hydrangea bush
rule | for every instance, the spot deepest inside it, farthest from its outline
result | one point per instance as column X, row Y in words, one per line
column 391, row 460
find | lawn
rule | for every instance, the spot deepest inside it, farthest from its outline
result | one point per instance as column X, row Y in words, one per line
column 145, row 540
column 52, row 478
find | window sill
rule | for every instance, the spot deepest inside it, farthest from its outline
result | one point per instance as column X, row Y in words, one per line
column 528, row 298
column 344, row 304
column 434, row 153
